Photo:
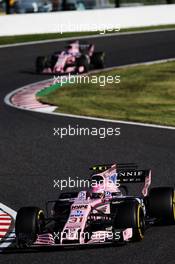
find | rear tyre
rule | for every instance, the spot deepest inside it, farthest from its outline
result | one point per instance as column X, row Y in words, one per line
column 130, row 215
column 98, row 60
column 29, row 223
column 161, row 205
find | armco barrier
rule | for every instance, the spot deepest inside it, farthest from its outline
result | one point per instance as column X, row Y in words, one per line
column 87, row 20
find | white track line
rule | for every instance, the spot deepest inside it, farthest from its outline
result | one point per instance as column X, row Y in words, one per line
column 7, row 100
column 135, row 64
column 85, row 37
column 12, row 213
column 112, row 121
column 5, row 221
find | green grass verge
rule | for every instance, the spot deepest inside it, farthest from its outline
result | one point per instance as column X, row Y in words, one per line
column 37, row 37
column 145, row 94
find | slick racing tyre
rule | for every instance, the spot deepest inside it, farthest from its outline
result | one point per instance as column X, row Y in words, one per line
column 130, row 214
column 161, row 205
column 97, row 60
column 29, row 223
column 40, row 64
column 82, row 61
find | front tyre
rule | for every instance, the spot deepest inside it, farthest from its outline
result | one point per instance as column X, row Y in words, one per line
column 40, row 64
column 130, row 215
column 29, row 223
column 82, row 61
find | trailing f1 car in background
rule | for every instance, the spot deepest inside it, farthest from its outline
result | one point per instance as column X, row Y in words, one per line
column 106, row 214
column 76, row 58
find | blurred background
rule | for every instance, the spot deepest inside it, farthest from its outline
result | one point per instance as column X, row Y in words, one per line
column 35, row 6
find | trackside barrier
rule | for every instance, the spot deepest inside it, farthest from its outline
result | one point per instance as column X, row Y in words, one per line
column 88, row 20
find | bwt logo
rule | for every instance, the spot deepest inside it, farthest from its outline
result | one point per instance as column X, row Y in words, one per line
column 113, row 178
column 79, row 213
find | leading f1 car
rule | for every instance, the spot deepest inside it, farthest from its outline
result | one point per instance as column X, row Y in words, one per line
column 76, row 58
column 105, row 214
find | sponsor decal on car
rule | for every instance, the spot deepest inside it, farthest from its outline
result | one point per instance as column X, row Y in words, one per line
column 79, row 206
column 5, row 224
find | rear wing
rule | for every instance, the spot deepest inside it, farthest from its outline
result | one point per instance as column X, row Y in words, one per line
column 127, row 173
column 132, row 176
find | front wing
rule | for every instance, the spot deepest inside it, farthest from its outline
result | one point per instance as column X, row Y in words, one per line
column 46, row 242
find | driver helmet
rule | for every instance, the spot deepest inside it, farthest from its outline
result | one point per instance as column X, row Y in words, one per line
column 98, row 186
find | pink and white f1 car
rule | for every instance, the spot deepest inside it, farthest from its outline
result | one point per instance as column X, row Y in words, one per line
column 76, row 58
column 106, row 214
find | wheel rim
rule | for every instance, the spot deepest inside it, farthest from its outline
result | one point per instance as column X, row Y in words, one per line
column 40, row 213
column 174, row 205
column 40, row 220
column 141, row 222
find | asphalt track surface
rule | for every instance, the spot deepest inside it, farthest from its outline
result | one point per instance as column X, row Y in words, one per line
column 31, row 157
